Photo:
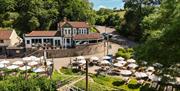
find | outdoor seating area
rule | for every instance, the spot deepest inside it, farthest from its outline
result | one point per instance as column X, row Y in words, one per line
column 30, row 64
column 126, row 69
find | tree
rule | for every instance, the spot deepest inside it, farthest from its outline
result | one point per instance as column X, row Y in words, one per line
column 135, row 12
column 162, row 35
column 25, row 15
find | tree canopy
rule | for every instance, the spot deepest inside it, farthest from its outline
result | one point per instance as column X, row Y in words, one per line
column 162, row 34
column 26, row 15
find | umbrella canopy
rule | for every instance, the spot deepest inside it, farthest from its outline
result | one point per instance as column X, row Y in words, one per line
column 144, row 62
column 131, row 61
column 82, row 61
column 125, row 72
column 37, row 59
column 150, row 68
column 26, row 59
column 18, row 63
column 4, row 62
column 25, row 68
column 94, row 58
column 38, row 70
column 106, row 57
column 2, row 65
column 118, row 65
column 157, row 65
column 12, row 67
column 105, row 62
column 49, row 63
column 42, row 57
column 80, row 58
column 154, row 78
column 120, row 58
column 32, row 63
column 33, row 58
column 141, row 75
column 133, row 65
column 122, row 62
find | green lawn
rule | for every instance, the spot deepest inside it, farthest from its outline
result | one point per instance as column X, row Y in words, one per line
column 98, row 83
column 113, row 82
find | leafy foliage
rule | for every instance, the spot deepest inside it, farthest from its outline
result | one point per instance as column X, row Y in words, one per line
column 11, row 83
column 136, row 10
column 26, row 15
column 162, row 35
column 125, row 53
column 108, row 17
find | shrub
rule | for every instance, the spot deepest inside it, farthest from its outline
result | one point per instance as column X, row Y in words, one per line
column 133, row 84
column 11, row 83
column 125, row 53
column 146, row 88
column 118, row 83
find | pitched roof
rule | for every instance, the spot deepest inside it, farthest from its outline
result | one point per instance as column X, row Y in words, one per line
column 75, row 24
column 87, row 36
column 5, row 34
column 42, row 34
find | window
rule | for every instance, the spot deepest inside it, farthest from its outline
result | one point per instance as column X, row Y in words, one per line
column 28, row 42
column 68, row 40
column 1, row 41
column 69, row 31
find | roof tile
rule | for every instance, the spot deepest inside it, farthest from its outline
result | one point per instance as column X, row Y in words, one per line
column 42, row 34
column 5, row 34
column 76, row 24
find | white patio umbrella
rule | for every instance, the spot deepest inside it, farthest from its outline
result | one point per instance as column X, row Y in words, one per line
column 49, row 63
column 26, row 59
column 154, row 78
column 105, row 62
column 18, row 63
column 132, row 65
column 118, row 65
column 80, row 58
column 33, row 58
column 82, row 61
column 150, row 68
column 12, row 67
column 94, row 58
column 2, row 65
column 141, row 75
column 42, row 57
column 144, row 62
column 25, row 68
column 157, row 65
column 4, row 62
column 37, row 59
column 32, row 63
column 106, row 57
column 122, row 62
column 38, row 70
column 120, row 58
column 125, row 72
column 131, row 61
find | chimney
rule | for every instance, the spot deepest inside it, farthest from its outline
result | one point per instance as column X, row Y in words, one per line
column 65, row 19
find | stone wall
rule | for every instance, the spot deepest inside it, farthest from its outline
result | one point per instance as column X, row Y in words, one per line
column 79, row 50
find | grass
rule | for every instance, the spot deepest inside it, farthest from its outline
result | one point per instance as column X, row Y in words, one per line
column 69, row 71
column 92, row 86
column 109, row 81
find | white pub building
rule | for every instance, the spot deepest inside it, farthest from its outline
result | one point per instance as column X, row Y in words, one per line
column 68, row 34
